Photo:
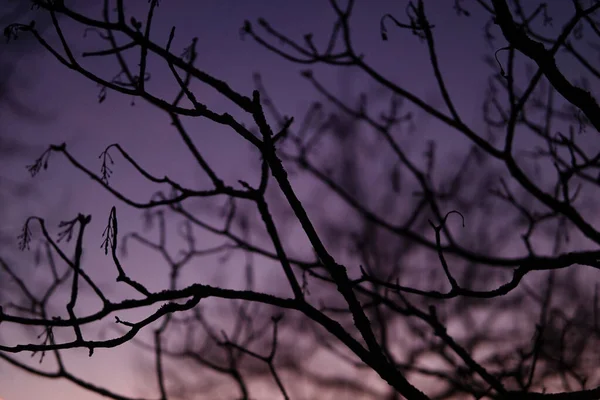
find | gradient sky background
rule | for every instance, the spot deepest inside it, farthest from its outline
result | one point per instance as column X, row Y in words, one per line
column 72, row 114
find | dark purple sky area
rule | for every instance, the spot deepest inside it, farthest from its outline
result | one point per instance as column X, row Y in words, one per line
column 71, row 113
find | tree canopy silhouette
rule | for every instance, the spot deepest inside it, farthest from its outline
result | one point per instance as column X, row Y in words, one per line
column 426, row 273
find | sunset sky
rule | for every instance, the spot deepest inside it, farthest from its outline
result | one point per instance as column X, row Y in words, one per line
column 71, row 114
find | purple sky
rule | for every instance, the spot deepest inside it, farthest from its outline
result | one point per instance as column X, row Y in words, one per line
column 88, row 127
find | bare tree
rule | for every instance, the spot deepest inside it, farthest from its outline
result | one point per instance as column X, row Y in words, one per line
column 439, row 275
column 13, row 149
column 9, row 147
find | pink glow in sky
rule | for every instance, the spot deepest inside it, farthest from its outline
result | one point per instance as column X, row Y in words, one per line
column 88, row 127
